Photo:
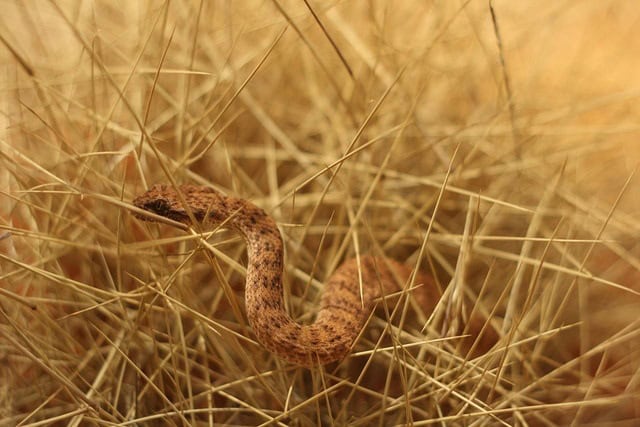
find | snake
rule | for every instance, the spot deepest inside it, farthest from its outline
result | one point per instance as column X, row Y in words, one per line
column 349, row 295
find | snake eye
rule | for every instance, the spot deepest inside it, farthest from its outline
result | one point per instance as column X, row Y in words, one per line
column 158, row 206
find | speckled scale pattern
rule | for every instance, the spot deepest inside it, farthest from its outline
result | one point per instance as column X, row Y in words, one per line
column 343, row 310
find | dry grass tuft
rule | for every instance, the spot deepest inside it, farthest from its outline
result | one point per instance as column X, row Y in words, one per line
column 385, row 127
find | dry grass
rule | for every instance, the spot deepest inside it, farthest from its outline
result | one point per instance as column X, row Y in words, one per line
column 390, row 131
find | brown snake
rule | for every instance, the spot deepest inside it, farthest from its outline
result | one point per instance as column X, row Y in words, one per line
column 343, row 311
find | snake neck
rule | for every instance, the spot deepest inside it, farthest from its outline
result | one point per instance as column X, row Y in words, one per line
column 263, row 290
column 264, row 299
column 327, row 339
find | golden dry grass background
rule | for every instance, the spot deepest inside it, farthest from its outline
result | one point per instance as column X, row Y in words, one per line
column 507, row 148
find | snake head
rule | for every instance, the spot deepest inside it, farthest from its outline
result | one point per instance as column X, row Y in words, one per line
column 167, row 201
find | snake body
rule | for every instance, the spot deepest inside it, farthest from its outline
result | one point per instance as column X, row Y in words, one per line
column 344, row 307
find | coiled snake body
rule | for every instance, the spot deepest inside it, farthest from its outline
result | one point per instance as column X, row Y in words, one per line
column 343, row 311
